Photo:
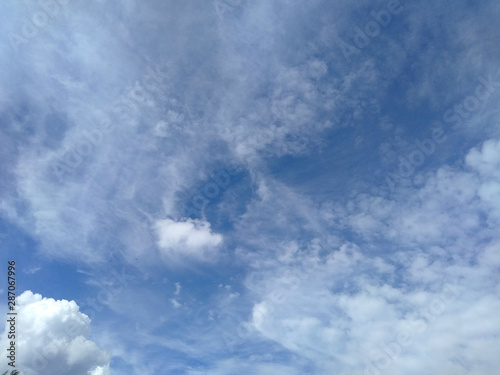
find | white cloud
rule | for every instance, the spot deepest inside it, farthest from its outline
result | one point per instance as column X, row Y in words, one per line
column 277, row 85
column 487, row 159
column 344, row 312
column 178, row 288
column 175, row 303
column 53, row 336
column 422, row 262
column 187, row 239
column 100, row 370
column 486, row 162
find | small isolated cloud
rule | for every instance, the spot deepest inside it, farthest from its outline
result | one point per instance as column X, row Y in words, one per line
column 178, row 288
column 52, row 337
column 32, row 270
column 175, row 303
column 190, row 238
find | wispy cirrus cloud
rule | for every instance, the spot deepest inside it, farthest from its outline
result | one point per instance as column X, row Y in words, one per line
column 303, row 262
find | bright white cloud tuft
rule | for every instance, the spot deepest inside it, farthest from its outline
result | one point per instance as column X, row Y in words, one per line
column 190, row 238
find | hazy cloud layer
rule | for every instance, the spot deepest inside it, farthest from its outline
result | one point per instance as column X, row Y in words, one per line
column 253, row 187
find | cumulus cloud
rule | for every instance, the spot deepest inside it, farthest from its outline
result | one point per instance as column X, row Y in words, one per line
column 53, row 338
column 187, row 239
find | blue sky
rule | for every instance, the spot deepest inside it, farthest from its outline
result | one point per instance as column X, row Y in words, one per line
column 252, row 187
